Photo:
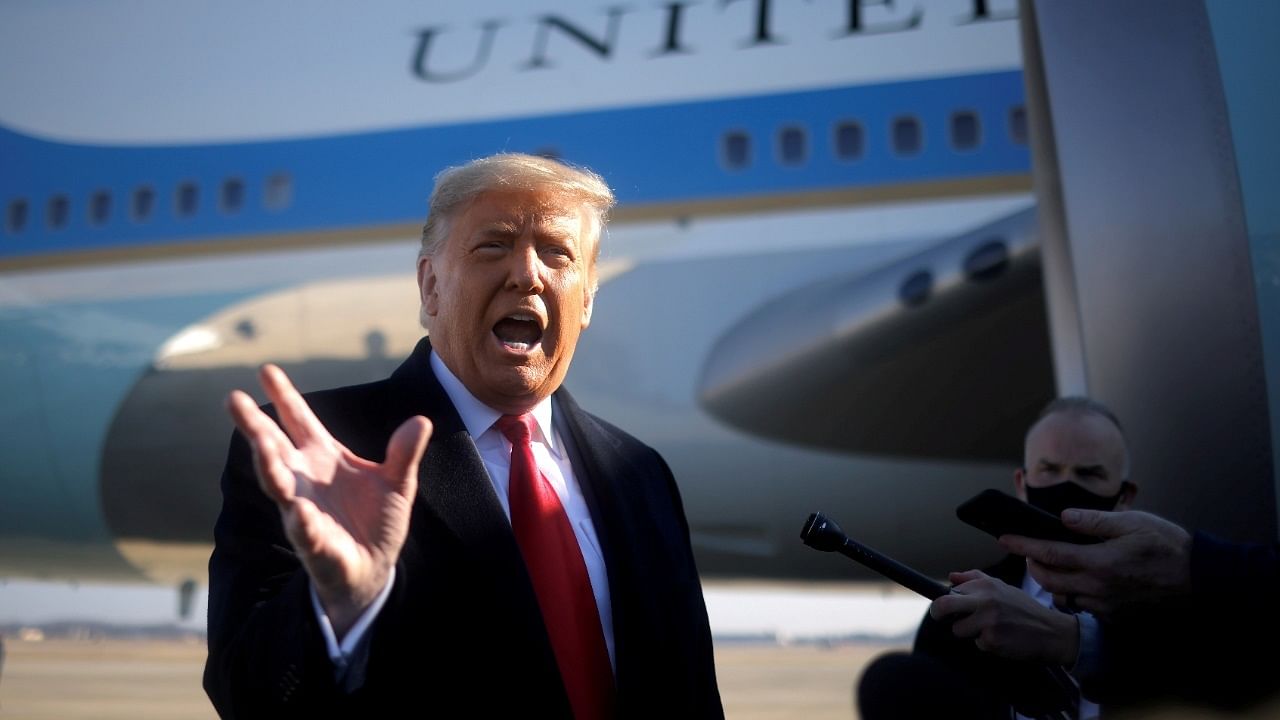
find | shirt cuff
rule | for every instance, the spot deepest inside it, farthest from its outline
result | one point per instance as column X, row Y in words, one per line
column 1089, row 657
column 340, row 653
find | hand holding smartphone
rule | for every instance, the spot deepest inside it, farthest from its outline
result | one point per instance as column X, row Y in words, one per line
column 998, row 513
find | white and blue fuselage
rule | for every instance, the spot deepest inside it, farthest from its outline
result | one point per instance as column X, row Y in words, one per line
column 189, row 191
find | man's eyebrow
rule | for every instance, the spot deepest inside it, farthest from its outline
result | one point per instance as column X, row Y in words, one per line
column 1099, row 470
column 500, row 228
column 556, row 232
column 556, row 221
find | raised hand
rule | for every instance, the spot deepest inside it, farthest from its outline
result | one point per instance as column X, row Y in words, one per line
column 1005, row 621
column 1143, row 559
column 346, row 517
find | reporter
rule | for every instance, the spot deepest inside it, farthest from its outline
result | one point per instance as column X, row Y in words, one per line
column 998, row 632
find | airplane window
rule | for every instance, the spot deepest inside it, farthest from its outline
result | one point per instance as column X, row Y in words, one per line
column 916, row 288
column 279, row 191
column 988, row 260
column 907, row 136
column 737, row 150
column 246, row 329
column 144, row 202
column 188, row 199
column 850, row 141
column 99, row 207
column 966, row 133
column 1018, row 124
column 232, row 195
column 792, row 146
column 16, row 218
column 59, row 211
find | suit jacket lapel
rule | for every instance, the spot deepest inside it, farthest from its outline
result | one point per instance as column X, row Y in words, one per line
column 602, row 474
column 454, row 486
column 596, row 471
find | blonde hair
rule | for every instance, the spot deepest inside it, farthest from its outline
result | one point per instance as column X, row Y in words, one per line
column 458, row 186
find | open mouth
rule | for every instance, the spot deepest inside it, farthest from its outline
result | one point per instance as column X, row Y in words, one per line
column 518, row 332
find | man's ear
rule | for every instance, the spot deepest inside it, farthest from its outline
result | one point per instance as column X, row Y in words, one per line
column 1020, row 484
column 427, row 287
column 588, row 304
column 1127, row 492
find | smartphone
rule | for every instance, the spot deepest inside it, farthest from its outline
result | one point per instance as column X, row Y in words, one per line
column 998, row 513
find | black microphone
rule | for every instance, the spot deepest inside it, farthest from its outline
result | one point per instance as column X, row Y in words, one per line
column 820, row 533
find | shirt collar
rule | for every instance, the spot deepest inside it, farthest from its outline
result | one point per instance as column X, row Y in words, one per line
column 1032, row 588
column 478, row 417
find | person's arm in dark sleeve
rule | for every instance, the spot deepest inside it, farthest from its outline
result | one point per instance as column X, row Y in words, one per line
column 1221, row 571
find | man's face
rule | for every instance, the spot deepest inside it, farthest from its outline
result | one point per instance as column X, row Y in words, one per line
column 508, row 292
column 1084, row 448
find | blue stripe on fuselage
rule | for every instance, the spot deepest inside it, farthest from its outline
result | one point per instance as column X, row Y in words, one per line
column 655, row 154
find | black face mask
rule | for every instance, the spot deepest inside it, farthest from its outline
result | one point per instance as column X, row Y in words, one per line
column 1056, row 498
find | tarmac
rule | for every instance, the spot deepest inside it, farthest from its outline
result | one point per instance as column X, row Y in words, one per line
column 134, row 679
column 124, row 679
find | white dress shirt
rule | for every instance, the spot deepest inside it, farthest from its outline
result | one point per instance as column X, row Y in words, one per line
column 550, row 454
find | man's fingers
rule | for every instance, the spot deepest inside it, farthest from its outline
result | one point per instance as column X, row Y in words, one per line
column 1099, row 523
column 274, row 476
column 1050, row 578
column 268, row 443
column 1066, row 582
column 954, row 604
column 249, row 417
column 256, row 426
column 966, row 626
column 298, row 420
column 960, row 578
column 1094, row 605
column 1046, row 552
column 307, row 527
column 404, row 451
column 1080, row 603
column 948, row 605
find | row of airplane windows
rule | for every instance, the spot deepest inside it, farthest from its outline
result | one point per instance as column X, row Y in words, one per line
column 849, row 138
column 277, row 194
column 906, row 138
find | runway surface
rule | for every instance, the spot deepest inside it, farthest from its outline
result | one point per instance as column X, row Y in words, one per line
column 120, row 679
column 142, row 679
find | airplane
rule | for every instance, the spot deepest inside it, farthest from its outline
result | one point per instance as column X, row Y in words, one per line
column 188, row 192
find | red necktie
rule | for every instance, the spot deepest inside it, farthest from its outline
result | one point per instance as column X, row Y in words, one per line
column 560, row 579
